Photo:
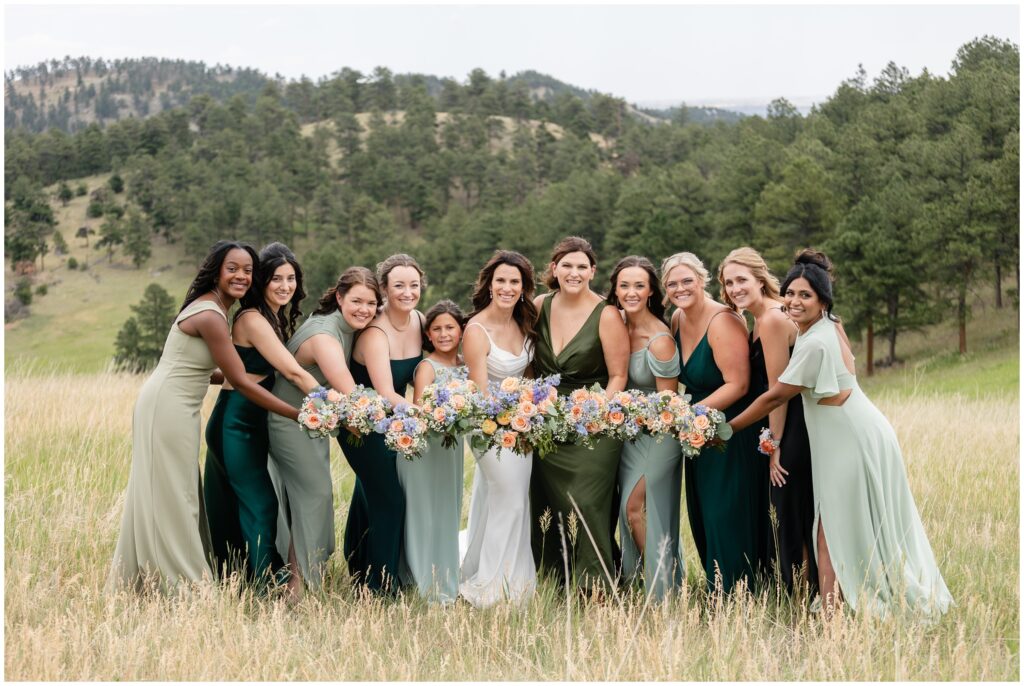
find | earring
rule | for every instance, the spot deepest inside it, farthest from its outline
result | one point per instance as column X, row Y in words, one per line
column 490, row 295
column 650, row 300
column 522, row 297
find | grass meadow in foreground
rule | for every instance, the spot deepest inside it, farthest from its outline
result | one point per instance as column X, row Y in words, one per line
column 63, row 505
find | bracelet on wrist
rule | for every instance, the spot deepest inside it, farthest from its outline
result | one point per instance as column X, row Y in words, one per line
column 766, row 442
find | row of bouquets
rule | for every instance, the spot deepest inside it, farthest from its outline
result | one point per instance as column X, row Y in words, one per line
column 518, row 414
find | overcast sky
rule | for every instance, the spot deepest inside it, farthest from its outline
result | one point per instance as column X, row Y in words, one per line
column 664, row 53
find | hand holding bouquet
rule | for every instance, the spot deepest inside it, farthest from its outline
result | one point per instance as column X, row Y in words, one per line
column 581, row 415
column 320, row 412
column 519, row 414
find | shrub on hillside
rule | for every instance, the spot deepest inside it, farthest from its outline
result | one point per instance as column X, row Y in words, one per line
column 72, row 263
column 23, row 291
column 94, row 210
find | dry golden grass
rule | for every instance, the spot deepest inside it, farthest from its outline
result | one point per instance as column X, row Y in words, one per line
column 63, row 506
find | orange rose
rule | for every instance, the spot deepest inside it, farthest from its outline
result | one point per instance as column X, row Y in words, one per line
column 576, row 412
column 404, row 441
column 508, row 439
column 616, row 417
column 504, row 418
column 488, row 426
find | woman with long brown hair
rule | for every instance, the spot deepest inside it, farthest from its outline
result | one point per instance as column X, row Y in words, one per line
column 498, row 343
column 299, row 465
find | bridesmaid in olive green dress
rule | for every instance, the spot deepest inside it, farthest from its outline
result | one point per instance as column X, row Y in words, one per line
column 240, row 501
column 165, row 540
column 721, row 488
column 385, row 357
column 433, row 483
column 871, row 547
column 300, row 466
column 651, row 473
column 584, row 339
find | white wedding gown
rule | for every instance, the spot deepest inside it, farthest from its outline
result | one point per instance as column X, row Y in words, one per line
column 498, row 562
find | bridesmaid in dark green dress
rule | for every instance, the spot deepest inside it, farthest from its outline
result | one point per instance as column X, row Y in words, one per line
column 241, row 504
column 584, row 339
column 385, row 357
column 721, row 488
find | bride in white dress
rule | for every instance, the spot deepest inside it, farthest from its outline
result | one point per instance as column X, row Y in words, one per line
column 498, row 562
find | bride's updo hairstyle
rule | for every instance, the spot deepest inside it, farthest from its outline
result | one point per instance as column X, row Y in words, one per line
column 816, row 268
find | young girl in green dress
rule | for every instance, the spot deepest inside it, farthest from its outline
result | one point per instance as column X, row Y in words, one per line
column 871, row 548
column 433, row 483
column 240, row 501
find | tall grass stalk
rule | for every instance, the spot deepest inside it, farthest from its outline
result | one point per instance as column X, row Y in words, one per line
column 68, row 451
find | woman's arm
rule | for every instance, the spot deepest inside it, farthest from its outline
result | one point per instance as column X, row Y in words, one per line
column 328, row 354
column 615, row 343
column 779, row 394
column 262, row 337
column 375, row 349
column 474, row 351
column 664, row 349
column 727, row 337
column 423, row 377
column 213, row 329
column 775, row 332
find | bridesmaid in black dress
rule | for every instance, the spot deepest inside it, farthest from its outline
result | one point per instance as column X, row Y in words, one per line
column 747, row 285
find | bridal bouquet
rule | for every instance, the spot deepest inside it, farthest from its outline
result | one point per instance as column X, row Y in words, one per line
column 320, row 412
column 405, row 431
column 625, row 414
column 581, row 415
column 520, row 415
column 452, row 407
column 364, row 411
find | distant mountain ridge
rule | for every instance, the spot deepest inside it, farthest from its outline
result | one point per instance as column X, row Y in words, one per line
column 72, row 93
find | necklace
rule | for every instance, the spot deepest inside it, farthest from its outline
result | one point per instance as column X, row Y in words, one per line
column 395, row 326
column 221, row 302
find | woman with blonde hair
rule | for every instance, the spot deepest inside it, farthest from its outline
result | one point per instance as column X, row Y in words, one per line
column 721, row 489
column 748, row 286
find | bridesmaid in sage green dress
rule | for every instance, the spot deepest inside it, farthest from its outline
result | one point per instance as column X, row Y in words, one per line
column 165, row 539
column 721, row 487
column 300, row 466
column 872, row 550
column 240, row 501
column 582, row 338
column 385, row 357
column 651, row 472
column 433, row 483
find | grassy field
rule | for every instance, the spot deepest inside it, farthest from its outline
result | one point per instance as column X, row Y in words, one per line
column 63, row 502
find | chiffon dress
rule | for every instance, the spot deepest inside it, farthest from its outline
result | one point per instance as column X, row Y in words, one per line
column 588, row 475
column 723, row 488
column 498, row 564
column 862, row 499
column 164, row 533
column 376, row 515
column 792, row 532
column 241, row 504
column 433, row 510
column 300, row 466
column 660, row 466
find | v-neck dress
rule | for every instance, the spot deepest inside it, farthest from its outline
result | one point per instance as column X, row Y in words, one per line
column 588, row 475
column 792, row 530
column 723, row 489
column 660, row 466
column 862, row 500
column 376, row 515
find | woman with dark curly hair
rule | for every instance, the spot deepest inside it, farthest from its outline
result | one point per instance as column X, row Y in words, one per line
column 165, row 538
column 240, row 501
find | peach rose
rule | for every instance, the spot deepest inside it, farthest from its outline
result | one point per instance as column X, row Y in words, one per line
column 676, row 401
column 396, row 425
column 488, row 426
column 404, row 441
column 508, row 439
column 579, row 395
column 510, row 384
column 624, row 399
column 332, row 422
column 696, row 439
column 576, row 412
column 665, row 416
column 458, row 402
column 504, row 418
column 593, row 428
column 363, row 402
column 313, row 421
column 616, row 417
column 701, row 422
column 527, row 408
column 439, row 414
column 520, row 423
column 333, row 396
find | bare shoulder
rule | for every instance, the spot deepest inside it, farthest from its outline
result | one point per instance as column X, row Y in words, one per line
column 663, row 348
column 776, row 324
column 538, row 300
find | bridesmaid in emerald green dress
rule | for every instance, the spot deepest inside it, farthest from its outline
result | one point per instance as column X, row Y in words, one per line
column 300, row 466
column 385, row 357
column 651, row 472
column 582, row 338
column 871, row 547
column 241, row 504
column 721, row 488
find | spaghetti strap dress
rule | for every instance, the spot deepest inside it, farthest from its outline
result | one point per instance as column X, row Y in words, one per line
column 498, row 563
column 300, row 466
column 240, row 500
column 376, row 515
column 433, row 511
column 660, row 466
column 862, row 499
column 722, row 487
column 164, row 533
column 792, row 528
column 590, row 476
